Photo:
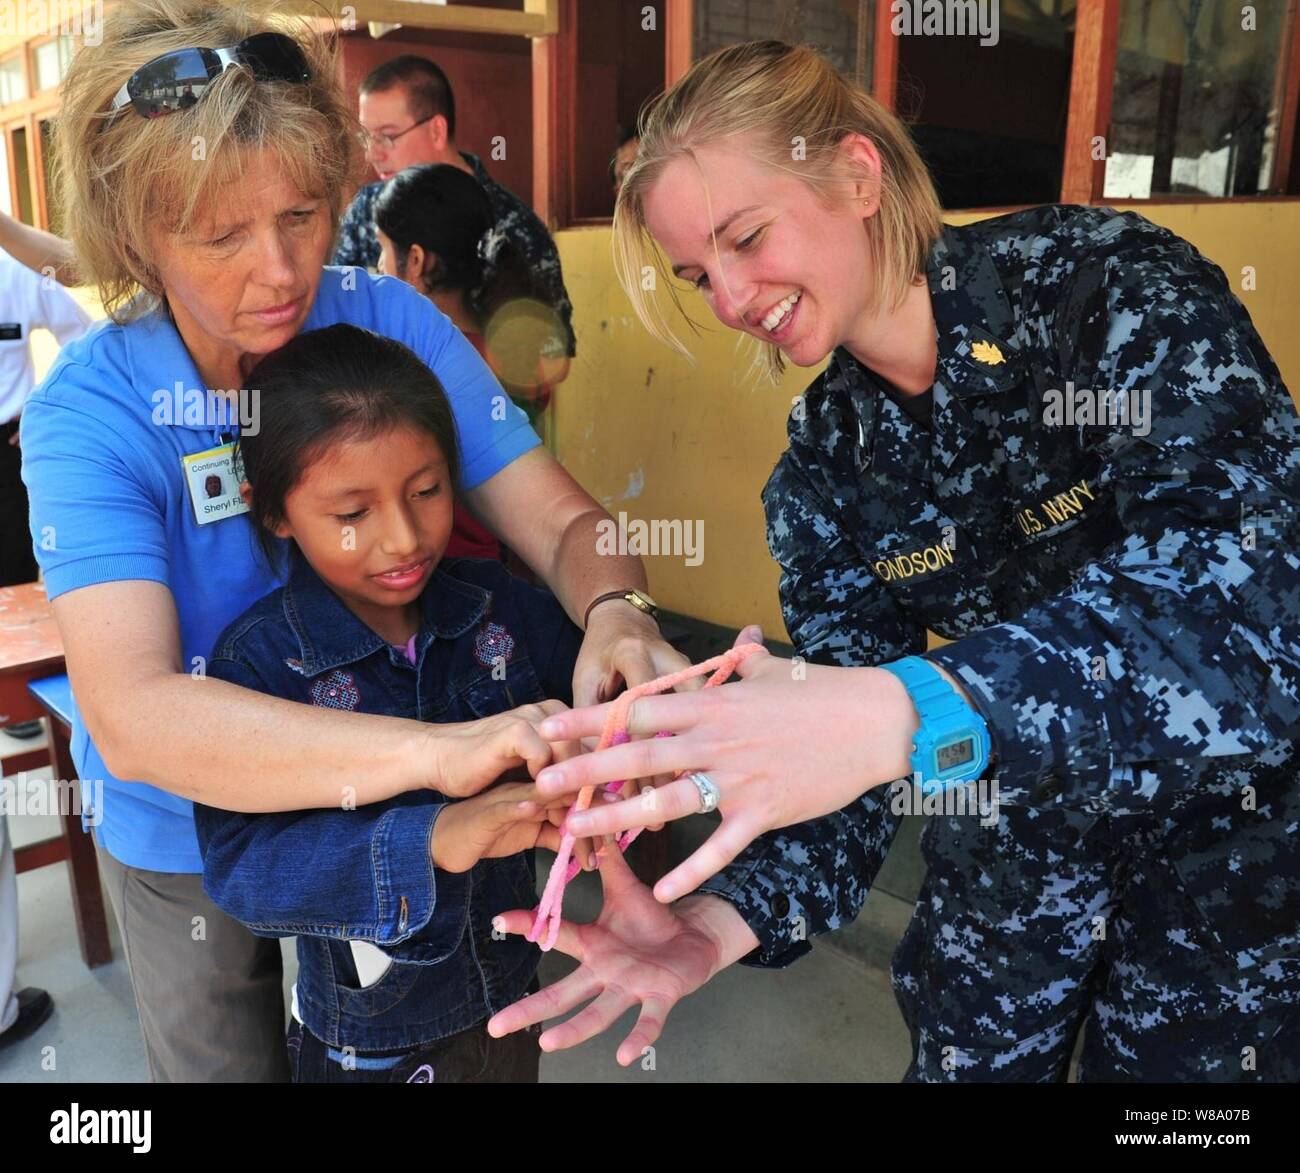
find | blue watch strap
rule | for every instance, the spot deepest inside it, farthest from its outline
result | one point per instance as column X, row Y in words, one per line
column 946, row 718
column 935, row 699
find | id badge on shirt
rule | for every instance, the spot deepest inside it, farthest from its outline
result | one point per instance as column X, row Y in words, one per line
column 213, row 478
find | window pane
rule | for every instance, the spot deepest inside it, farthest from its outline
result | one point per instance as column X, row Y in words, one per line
column 839, row 29
column 22, row 175
column 52, row 205
column 1195, row 109
column 6, row 204
column 990, row 117
column 47, row 64
column 12, row 88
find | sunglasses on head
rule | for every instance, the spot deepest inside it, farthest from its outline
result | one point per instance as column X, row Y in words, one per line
column 176, row 80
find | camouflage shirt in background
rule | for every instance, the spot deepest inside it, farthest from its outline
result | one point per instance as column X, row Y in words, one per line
column 1124, row 599
column 516, row 223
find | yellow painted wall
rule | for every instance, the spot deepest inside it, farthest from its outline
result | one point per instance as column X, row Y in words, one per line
column 648, row 434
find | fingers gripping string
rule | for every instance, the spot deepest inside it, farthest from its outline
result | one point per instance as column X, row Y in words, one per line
column 615, row 733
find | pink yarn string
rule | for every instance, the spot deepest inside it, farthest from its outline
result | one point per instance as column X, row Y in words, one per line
column 615, row 732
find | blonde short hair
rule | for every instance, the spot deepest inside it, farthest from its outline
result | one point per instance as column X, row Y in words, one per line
column 792, row 109
column 117, row 176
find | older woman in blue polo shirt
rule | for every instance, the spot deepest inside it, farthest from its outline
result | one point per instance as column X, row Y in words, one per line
column 205, row 158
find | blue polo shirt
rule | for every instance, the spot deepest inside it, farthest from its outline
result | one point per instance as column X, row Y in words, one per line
column 102, row 440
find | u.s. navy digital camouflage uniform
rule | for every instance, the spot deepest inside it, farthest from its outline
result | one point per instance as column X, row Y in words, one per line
column 516, row 224
column 1126, row 611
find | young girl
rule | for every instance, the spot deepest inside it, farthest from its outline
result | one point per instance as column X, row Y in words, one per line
column 350, row 479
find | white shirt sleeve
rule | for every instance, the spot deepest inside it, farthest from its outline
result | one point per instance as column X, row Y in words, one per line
column 58, row 311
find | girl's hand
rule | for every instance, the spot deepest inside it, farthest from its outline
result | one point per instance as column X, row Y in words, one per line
column 637, row 951
column 466, row 757
column 621, row 645
column 502, row 821
column 788, row 742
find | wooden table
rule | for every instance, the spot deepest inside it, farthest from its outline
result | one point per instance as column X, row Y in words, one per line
column 30, row 649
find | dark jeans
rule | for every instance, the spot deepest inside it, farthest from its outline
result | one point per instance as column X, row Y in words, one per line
column 472, row 1056
column 17, row 562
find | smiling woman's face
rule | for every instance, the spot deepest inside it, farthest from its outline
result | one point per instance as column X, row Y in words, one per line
column 786, row 270
column 243, row 279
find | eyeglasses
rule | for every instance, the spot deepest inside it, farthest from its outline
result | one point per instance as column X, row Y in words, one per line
column 176, row 80
column 386, row 142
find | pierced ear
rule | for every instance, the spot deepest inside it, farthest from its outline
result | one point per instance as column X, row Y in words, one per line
column 862, row 157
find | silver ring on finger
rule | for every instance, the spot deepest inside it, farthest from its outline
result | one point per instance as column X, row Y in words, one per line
column 709, row 792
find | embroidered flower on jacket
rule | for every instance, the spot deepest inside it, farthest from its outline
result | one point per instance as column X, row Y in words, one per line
column 492, row 643
column 338, row 690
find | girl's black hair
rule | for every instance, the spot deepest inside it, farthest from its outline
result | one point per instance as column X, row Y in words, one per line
column 337, row 383
column 447, row 213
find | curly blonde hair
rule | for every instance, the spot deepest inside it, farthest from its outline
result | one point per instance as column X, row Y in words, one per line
column 119, row 175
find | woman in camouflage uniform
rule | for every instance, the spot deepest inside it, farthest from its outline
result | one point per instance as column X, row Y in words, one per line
column 1055, row 439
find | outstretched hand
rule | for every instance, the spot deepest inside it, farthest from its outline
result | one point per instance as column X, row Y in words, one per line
column 786, row 743
column 636, row 952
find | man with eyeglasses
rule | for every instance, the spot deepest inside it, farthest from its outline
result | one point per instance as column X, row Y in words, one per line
column 409, row 115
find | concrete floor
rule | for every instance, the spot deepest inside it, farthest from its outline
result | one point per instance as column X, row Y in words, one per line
column 832, row 1016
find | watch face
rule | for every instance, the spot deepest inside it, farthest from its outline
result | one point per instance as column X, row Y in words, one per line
column 645, row 598
column 955, row 753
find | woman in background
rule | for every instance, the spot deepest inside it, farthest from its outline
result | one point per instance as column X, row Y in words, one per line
column 435, row 230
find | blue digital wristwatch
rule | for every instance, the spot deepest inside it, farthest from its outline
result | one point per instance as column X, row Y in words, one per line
column 952, row 745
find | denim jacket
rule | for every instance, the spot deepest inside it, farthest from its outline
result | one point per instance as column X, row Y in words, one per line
column 332, row 876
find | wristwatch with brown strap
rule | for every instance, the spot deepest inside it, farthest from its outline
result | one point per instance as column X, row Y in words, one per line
column 638, row 598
